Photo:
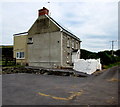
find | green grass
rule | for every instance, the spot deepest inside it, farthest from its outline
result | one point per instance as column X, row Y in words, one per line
column 111, row 65
column 13, row 65
column 0, row 62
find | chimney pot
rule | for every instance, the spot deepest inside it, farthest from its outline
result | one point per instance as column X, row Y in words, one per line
column 43, row 11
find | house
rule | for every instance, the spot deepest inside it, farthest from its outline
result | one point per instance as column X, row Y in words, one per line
column 46, row 44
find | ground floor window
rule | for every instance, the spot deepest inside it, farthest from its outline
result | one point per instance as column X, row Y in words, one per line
column 20, row 55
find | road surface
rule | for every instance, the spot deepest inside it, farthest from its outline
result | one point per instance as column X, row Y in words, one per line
column 34, row 89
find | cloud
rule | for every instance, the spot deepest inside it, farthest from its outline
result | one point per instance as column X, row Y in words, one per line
column 95, row 23
column 91, row 20
column 60, row 0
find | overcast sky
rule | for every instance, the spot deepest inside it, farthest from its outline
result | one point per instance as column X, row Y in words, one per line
column 95, row 22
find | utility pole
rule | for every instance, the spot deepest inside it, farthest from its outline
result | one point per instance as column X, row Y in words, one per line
column 112, row 45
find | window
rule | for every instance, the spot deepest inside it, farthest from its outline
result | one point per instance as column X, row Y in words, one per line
column 68, row 62
column 68, row 53
column 30, row 40
column 73, row 45
column 68, row 43
column 17, row 55
column 76, row 45
column 20, row 55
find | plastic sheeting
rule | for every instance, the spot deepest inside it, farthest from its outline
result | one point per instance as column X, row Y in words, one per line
column 87, row 66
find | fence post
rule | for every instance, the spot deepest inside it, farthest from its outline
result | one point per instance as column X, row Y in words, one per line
column 6, row 61
column 14, row 61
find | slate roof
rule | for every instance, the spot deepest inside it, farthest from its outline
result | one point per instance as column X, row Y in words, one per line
column 63, row 29
column 23, row 33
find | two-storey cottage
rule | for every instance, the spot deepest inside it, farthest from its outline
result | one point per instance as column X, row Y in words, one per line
column 46, row 44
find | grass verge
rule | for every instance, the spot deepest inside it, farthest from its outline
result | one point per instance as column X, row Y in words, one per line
column 111, row 65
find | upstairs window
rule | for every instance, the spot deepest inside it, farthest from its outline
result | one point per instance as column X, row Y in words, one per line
column 73, row 45
column 30, row 40
column 68, row 42
column 20, row 55
column 76, row 45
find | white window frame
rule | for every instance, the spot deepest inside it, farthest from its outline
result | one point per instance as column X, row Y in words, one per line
column 68, row 42
column 20, row 55
column 73, row 44
column 30, row 41
column 76, row 45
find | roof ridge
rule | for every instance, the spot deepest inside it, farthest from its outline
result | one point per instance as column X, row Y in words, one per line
column 62, row 28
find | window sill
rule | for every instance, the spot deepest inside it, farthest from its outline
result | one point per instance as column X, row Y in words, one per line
column 30, row 43
column 68, row 46
column 20, row 58
column 73, row 48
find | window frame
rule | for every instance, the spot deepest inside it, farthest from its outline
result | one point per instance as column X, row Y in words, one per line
column 30, row 41
column 68, row 43
column 73, row 44
column 76, row 45
column 20, row 55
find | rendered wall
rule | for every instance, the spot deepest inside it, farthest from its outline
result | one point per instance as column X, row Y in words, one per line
column 42, row 25
column 20, row 45
column 45, row 50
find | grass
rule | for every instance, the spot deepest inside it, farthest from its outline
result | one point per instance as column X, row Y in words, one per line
column 111, row 65
column 113, row 80
column 11, row 66
column 0, row 62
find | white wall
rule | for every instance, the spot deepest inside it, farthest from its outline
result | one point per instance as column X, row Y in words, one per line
column 75, row 56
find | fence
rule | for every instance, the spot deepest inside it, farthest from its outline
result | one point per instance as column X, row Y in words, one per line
column 8, row 61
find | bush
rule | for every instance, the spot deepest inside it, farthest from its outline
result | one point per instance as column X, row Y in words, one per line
column 105, row 56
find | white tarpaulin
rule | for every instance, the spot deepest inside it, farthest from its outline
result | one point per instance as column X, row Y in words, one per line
column 87, row 66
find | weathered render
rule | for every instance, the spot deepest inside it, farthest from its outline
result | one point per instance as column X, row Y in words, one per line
column 47, row 43
column 20, row 45
column 45, row 50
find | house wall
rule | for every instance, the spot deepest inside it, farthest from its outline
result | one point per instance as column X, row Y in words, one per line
column 43, row 25
column 49, row 47
column 45, row 50
column 67, row 50
column 20, row 45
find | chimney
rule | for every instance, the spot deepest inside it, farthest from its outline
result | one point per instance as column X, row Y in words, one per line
column 43, row 11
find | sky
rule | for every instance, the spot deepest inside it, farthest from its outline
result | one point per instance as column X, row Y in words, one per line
column 95, row 22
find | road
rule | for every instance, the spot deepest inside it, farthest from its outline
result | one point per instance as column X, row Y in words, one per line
column 34, row 89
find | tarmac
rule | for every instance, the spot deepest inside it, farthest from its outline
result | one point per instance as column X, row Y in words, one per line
column 101, row 88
